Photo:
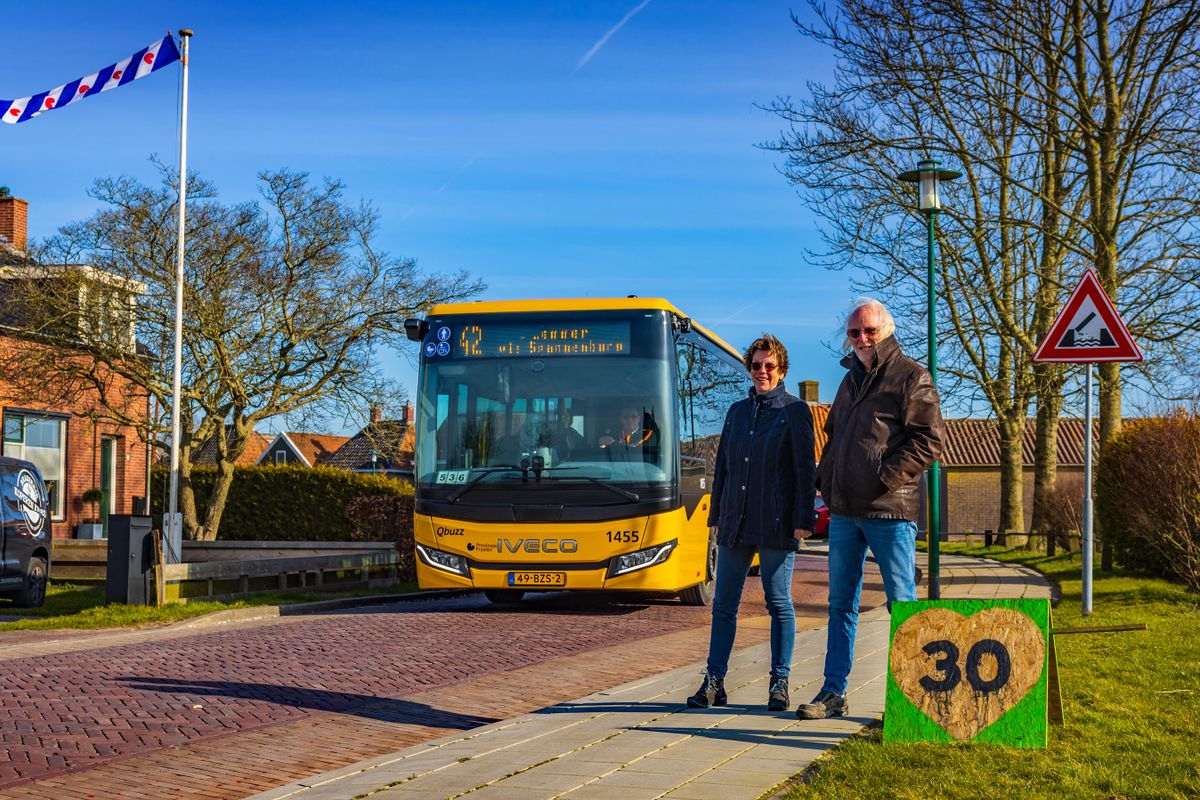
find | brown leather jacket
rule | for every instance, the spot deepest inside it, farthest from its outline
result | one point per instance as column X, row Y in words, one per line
column 885, row 428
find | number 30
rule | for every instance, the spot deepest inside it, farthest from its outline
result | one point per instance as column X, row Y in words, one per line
column 952, row 675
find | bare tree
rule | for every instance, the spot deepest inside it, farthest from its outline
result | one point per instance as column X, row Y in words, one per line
column 287, row 303
column 998, row 88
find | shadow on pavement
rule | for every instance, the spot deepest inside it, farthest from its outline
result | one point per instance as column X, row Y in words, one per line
column 800, row 739
column 384, row 709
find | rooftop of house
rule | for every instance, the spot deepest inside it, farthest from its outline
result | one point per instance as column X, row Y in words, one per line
column 315, row 448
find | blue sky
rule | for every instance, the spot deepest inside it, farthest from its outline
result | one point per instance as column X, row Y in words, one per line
column 543, row 146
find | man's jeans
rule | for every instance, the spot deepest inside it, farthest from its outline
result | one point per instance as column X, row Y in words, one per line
column 893, row 543
column 775, row 566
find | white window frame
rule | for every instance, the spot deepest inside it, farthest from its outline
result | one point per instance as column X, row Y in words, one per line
column 55, row 484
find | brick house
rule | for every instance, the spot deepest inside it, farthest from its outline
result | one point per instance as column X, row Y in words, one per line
column 206, row 454
column 971, row 471
column 383, row 447
column 301, row 447
column 72, row 442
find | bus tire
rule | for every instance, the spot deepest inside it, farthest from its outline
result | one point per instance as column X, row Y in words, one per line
column 503, row 597
column 702, row 593
column 33, row 591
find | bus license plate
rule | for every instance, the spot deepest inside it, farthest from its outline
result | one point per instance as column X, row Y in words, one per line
column 537, row 579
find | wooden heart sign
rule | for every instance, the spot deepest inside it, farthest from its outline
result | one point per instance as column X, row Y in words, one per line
column 963, row 665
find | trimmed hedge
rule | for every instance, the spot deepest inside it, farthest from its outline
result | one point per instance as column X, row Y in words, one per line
column 1148, row 496
column 296, row 504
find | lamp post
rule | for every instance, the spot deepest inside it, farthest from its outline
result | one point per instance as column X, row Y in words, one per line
column 374, row 460
column 928, row 176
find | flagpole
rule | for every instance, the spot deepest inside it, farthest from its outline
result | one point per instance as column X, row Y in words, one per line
column 174, row 542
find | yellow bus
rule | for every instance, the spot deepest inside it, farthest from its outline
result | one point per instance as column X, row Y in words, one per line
column 568, row 445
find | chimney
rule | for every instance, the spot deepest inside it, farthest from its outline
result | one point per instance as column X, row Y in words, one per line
column 14, row 215
column 376, row 413
column 408, row 413
column 808, row 391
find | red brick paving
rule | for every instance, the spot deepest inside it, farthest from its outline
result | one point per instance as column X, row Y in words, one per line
column 291, row 698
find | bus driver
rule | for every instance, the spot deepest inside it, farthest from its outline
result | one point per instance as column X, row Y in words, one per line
column 636, row 438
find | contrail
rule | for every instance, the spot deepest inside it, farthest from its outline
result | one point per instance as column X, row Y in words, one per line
column 603, row 40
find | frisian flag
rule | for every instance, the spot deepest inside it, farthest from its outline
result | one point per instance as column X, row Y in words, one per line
column 150, row 58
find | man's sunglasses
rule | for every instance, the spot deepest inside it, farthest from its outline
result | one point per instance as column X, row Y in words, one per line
column 763, row 366
column 854, row 333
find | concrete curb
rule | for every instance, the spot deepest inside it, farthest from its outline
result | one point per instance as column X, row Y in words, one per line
column 311, row 607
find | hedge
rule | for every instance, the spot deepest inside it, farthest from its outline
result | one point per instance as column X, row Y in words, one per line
column 1148, row 496
column 295, row 503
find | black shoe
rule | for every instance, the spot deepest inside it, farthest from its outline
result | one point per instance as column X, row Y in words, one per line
column 777, row 699
column 825, row 704
column 710, row 693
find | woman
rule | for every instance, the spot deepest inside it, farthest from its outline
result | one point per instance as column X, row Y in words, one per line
column 762, row 502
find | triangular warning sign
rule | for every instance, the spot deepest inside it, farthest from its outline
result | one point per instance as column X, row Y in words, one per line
column 1088, row 329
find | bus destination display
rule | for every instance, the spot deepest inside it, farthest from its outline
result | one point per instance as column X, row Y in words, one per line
column 503, row 339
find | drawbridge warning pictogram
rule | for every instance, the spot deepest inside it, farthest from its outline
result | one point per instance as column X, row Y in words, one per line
column 1088, row 329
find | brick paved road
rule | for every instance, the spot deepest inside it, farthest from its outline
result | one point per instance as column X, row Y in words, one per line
column 227, row 713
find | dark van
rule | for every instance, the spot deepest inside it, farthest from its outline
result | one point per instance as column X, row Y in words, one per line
column 24, row 533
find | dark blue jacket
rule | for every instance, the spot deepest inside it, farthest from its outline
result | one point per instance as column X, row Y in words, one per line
column 764, row 484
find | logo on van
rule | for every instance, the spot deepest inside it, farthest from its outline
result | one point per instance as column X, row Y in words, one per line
column 31, row 501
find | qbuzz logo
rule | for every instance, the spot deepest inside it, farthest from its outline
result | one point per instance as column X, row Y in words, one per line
column 31, row 502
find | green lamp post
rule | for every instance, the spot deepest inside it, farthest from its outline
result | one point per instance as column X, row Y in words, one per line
column 928, row 176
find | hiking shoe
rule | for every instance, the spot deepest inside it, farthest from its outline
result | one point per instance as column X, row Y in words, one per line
column 777, row 698
column 710, row 693
column 825, row 704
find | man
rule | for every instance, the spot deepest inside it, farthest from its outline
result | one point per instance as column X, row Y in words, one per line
column 884, row 429
column 637, row 439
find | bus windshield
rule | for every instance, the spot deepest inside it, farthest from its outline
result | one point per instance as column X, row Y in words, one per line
column 534, row 404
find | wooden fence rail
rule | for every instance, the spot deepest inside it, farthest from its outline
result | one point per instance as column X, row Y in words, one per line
column 225, row 580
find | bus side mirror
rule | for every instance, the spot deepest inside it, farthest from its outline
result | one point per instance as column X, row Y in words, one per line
column 416, row 329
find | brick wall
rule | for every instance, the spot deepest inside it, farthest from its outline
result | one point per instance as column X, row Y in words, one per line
column 973, row 496
column 84, row 434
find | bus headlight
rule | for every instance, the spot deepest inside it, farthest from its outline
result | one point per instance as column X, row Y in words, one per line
column 447, row 562
column 632, row 562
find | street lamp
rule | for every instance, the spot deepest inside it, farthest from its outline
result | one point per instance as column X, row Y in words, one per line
column 928, row 176
column 374, row 460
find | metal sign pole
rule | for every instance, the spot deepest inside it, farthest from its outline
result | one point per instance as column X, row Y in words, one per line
column 1087, row 494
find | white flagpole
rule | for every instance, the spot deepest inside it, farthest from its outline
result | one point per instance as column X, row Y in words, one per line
column 174, row 528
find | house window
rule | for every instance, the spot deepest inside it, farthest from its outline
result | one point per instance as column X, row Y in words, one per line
column 41, row 440
column 281, row 456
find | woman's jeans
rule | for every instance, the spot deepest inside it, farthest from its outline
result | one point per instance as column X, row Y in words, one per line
column 775, row 565
column 893, row 544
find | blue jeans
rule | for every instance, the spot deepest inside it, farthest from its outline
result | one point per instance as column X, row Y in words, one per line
column 775, row 565
column 893, row 543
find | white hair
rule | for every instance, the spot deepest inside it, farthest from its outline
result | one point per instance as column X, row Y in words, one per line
column 887, row 325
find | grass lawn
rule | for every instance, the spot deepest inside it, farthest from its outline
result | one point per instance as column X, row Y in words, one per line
column 82, row 607
column 1131, row 702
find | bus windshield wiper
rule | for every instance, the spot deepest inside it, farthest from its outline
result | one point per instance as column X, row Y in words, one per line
column 471, row 484
column 628, row 495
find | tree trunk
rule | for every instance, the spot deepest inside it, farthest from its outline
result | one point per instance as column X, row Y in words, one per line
column 1045, row 470
column 1012, row 513
column 220, row 495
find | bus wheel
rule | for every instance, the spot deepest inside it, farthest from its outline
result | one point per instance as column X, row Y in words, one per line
column 702, row 593
column 504, row 597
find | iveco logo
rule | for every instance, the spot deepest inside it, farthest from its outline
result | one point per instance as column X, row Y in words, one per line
column 538, row 545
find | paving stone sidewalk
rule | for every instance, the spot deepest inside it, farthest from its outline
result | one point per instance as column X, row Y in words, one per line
column 638, row 741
